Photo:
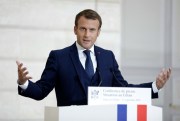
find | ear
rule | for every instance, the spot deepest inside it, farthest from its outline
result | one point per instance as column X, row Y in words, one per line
column 75, row 30
column 98, row 32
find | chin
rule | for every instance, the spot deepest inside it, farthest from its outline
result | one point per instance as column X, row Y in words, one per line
column 87, row 47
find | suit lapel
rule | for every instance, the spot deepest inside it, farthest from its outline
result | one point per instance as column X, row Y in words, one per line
column 78, row 66
column 99, row 58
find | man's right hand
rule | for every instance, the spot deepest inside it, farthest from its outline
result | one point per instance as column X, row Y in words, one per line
column 22, row 73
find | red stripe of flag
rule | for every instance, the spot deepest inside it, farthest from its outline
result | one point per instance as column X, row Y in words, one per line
column 141, row 112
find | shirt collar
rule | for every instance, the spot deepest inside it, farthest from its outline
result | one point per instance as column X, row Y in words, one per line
column 81, row 49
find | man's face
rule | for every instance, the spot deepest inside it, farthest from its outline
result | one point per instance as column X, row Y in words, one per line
column 87, row 32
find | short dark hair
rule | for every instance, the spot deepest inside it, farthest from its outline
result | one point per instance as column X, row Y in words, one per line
column 89, row 14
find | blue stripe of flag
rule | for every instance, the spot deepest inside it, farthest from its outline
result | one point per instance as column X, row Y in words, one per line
column 122, row 113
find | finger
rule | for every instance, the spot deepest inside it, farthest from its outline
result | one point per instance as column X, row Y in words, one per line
column 23, row 69
column 28, row 77
column 25, row 76
column 20, row 66
column 159, row 83
column 168, row 73
column 169, row 70
column 18, row 63
column 20, row 73
column 165, row 75
column 161, row 74
column 161, row 78
column 25, row 73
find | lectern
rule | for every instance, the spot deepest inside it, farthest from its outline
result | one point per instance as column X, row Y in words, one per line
column 120, row 112
column 109, row 104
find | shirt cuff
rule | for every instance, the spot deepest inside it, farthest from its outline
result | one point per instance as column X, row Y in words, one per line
column 154, row 87
column 25, row 85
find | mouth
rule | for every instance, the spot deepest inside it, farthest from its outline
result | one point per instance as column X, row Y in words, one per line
column 86, row 41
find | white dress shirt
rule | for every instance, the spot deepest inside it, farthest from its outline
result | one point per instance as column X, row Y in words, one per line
column 82, row 56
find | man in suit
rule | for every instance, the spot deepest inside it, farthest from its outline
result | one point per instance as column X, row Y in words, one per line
column 72, row 69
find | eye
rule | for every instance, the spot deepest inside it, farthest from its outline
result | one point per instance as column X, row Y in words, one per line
column 82, row 29
column 92, row 30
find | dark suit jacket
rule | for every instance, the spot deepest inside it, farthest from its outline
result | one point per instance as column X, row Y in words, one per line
column 64, row 71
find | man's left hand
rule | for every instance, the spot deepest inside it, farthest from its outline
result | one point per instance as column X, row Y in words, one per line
column 162, row 78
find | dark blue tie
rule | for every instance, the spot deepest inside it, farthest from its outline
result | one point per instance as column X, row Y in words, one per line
column 88, row 64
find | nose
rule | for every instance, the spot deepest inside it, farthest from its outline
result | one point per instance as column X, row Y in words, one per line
column 87, row 33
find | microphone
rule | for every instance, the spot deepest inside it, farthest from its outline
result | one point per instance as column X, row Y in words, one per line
column 97, row 69
column 121, row 83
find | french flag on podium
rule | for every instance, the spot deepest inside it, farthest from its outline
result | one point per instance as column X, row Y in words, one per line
column 131, row 112
column 131, row 104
